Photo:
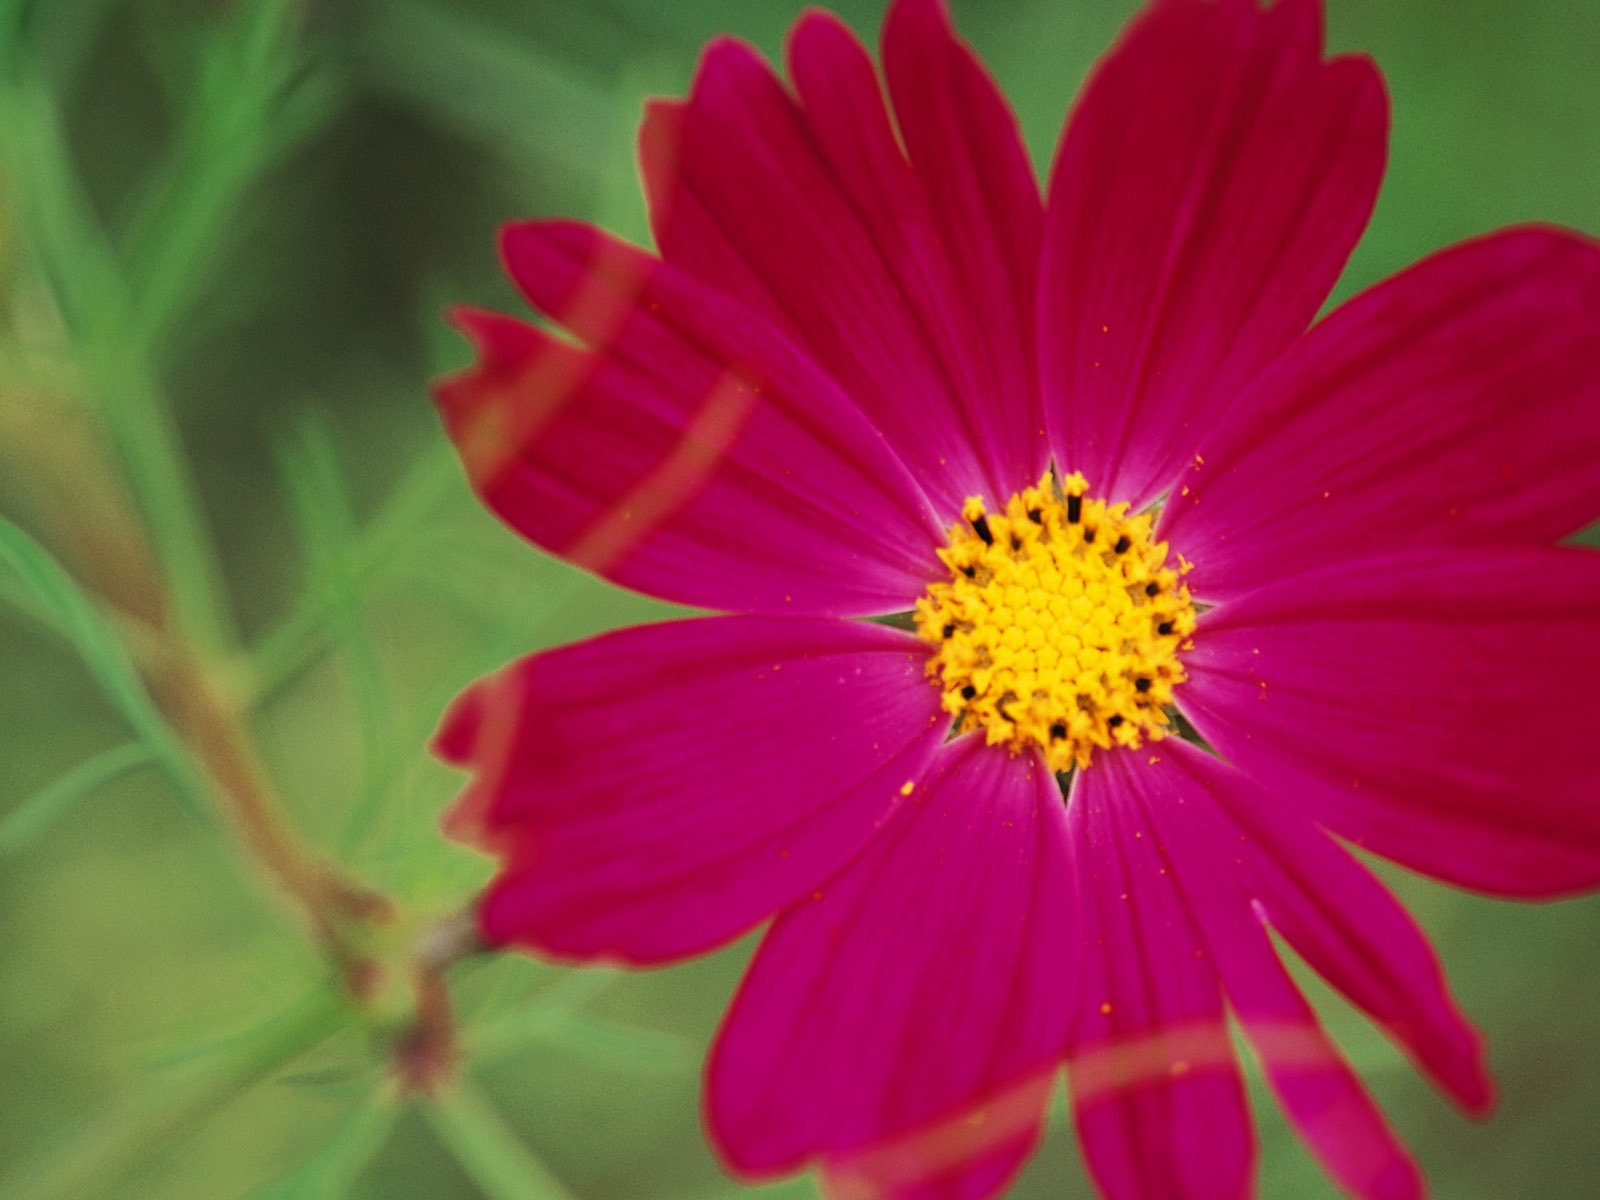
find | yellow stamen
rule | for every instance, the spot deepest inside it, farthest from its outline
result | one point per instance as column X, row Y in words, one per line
column 1060, row 624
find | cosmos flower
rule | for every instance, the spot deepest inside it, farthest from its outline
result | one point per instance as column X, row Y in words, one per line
column 1086, row 596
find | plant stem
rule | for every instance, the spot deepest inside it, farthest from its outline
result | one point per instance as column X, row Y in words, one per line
column 488, row 1149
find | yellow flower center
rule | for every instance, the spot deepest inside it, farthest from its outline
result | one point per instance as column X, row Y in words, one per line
column 1060, row 624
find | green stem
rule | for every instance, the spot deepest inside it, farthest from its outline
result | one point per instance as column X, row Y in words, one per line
column 296, row 642
column 488, row 1149
column 20, row 826
column 141, row 426
column 84, row 275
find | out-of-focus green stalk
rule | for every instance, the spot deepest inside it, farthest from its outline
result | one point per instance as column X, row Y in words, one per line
column 488, row 1149
column 646, row 1050
column 75, row 616
column 320, row 498
column 297, row 641
column 82, row 272
column 130, row 1133
column 255, row 103
column 330, row 1173
column 142, row 428
column 566, row 995
column 469, row 74
column 250, row 102
column 24, row 823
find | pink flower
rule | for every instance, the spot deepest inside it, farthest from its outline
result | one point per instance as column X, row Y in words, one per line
column 1093, row 450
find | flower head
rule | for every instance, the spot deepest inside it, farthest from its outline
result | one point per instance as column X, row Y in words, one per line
column 1183, row 591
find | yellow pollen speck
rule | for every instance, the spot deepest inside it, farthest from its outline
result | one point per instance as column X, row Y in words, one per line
column 908, row 787
column 1060, row 625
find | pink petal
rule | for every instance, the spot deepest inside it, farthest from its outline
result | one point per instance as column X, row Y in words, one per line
column 1156, row 1091
column 811, row 213
column 1423, row 705
column 897, row 1170
column 687, row 233
column 693, row 453
column 1238, row 853
column 1458, row 403
column 967, row 150
column 906, row 1022
column 657, row 791
column 1209, row 187
column 1345, row 924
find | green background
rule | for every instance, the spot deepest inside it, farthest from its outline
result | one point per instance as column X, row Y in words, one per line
column 238, row 223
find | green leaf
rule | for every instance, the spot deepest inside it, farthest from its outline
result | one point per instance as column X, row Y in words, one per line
column 553, row 1018
column 16, row 594
column 46, row 38
column 802, row 1187
column 516, row 977
column 302, row 637
column 58, row 223
column 331, row 1171
column 487, row 85
column 319, row 497
column 76, row 617
column 24, row 823
column 50, row 206
column 250, row 100
column 625, row 1045
column 488, row 1149
column 134, row 1129
column 320, row 500
column 13, row 15
column 571, row 991
column 106, row 321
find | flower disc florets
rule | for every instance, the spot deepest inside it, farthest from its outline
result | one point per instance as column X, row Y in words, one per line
column 1060, row 624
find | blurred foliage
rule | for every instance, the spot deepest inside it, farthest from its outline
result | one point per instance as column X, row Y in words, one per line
column 226, row 232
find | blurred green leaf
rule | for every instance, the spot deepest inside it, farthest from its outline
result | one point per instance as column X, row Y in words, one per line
column 54, row 215
column 51, row 38
column 77, row 262
column 553, row 1017
column 97, row 644
column 16, row 593
column 136, row 1128
column 331, row 1171
column 320, row 500
column 331, row 1079
column 12, row 17
column 623, row 1045
column 253, row 97
column 150, row 447
column 488, row 1149
column 302, row 637
column 802, row 1187
column 475, row 78
column 319, row 497
column 25, row 822
column 574, row 987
